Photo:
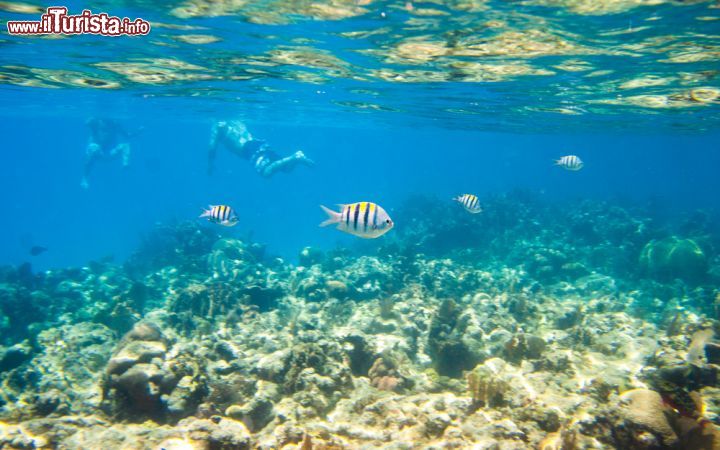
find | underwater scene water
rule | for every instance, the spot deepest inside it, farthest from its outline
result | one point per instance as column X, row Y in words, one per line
column 520, row 225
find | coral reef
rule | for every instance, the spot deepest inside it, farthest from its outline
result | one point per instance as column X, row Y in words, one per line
column 541, row 331
column 445, row 345
column 673, row 257
column 146, row 378
column 645, row 421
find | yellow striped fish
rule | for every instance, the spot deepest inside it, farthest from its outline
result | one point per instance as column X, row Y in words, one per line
column 221, row 214
column 570, row 162
column 470, row 203
column 363, row 219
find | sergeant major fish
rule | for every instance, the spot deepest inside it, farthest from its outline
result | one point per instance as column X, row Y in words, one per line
column 570, row 162
column 221, row 214
column 363, row 219
column 470, row 203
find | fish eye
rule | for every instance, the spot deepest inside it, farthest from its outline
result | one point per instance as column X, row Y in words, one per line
column 387, row 221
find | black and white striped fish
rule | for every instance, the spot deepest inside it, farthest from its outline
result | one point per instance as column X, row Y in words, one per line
column 221, row 214
column 570, row 162
column 470, row 203
column 363, row 219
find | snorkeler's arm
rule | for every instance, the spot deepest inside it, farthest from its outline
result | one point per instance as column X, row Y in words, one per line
column 91, row 155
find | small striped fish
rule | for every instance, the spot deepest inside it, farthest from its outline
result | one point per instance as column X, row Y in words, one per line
column 570, row 162
column 363, row 219
column 221, row 214
column 470, row 203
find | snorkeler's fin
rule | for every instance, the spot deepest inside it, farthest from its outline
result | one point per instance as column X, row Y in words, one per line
column 333, row 216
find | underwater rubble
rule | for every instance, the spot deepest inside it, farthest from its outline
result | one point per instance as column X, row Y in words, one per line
column 591, row 325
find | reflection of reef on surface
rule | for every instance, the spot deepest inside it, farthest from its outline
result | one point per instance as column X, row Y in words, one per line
column 569, row 57
column 527, row 326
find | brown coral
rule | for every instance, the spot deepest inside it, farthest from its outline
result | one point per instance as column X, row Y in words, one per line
column 385, row 376
column 485, row 386
column 646, row 419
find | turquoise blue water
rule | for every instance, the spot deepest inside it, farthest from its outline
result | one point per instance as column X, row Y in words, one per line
column 389, row 99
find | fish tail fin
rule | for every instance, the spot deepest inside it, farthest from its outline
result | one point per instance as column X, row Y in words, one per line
column 205, row 213
column 556, row 162
column 333, row 216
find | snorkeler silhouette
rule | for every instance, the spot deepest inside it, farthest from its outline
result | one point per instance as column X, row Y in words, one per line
column 236, row 138
column 107, row 140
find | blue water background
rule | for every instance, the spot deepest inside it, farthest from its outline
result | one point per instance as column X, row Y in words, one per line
column 41, row 164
